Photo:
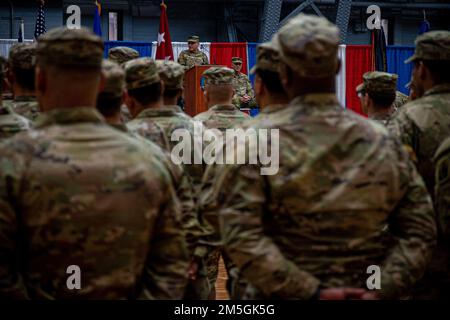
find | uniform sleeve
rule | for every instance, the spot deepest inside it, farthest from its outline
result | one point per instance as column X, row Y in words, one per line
column 182, row 59
column 11, row 280
column 235, row 206
column 251, row 94
column 442, row 195
column 413, row 227
column 205, row 59
column 404, row 129
column 165, row 273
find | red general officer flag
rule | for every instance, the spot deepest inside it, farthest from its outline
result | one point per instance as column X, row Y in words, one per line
column 164, row 50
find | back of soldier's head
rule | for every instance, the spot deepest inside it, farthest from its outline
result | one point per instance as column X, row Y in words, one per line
column 172, row 75
column 21, row 63
column 110, row 98
column 381, row 88
column 122, row 55
column 2, row 74
column 219, row 82
column 142, row 80
column 267, row 69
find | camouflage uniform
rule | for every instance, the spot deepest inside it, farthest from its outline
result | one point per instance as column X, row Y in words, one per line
column 400, row 100
column 67, row 189
column 21, row 56
column 379, row 84
column 345, row 197
column 10, row 122
column 422, row 126
column 189, row 59
column 242, row 87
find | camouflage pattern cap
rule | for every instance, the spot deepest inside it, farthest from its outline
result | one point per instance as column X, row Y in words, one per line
column 140, row 73
column 380, row 83
column 70, row 48
column 433, row 45
column 266, row 58
column 236, row 60
column 171, row 73
column 22, row 56
column 308, row 44
column 193, row 39
column 218, row 76
column 122, row 54
column 114, row 79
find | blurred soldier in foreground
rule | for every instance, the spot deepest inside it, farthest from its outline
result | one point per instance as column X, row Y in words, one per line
column 193, row 56
column 10, row 122
column 219, row 91
column 345, row 197
column 422, row 126
column 21, row 77
column 122, row 55
column 400, row 100
column 67, row 189
column 243, row 92
column 377, row 95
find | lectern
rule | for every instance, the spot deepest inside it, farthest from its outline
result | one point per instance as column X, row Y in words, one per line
column 193, row 93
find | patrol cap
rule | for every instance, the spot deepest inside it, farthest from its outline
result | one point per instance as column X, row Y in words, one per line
column 266, row 58
column 219, row 76
column 22, row 56
column 380, row 83
column 308, row 44
column 122, row 54
column 65, row 47
column 114, row 79
column 433, row 45
column 171, row 73
column 236, row 60
column 140, row 73
column 193, row 39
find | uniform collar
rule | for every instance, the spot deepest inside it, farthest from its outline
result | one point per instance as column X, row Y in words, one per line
column 25, row 99
column 4, row 110
column 69, row 116
column 440, row 88
column 224, row 107
column 159, row 112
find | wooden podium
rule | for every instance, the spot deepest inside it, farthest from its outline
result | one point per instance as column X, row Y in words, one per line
column 193, row 93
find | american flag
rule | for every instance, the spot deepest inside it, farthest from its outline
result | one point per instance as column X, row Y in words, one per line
column 40, row 21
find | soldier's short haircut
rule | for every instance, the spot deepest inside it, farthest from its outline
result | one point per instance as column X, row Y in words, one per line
column 24, row 77
column 271, row 81
column 382, row 100
column 108, row 106
column 440, row 70
column 148, row 94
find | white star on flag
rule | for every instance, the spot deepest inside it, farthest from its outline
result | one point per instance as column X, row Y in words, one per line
column 161, row 38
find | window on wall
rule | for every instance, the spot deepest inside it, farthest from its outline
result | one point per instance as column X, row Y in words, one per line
column 113, row 26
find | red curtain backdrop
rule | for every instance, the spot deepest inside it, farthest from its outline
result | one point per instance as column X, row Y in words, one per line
column 222, row 52
column 358, row 60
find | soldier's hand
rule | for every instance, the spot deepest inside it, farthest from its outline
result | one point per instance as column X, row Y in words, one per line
column 342, row 293
column 193, row 270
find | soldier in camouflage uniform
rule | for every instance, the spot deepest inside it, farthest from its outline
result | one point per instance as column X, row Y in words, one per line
column 193, row 56
column 422, row 126
column 346, row 195
column 221, row 114
column 122, row 55
column 21, row 77
column 10, row 122
column 377, row 95
column 244, row 96
column 67, row 189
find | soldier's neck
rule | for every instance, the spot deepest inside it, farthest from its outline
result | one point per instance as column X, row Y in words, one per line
column 154, row 105
column 377, row 112
column 170, row 101
column 114, row 119
column 213, row 103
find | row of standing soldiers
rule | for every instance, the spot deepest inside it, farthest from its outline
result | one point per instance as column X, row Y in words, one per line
column 87, row 176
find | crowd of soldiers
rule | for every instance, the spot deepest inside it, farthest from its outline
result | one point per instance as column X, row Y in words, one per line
column 87, row 177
